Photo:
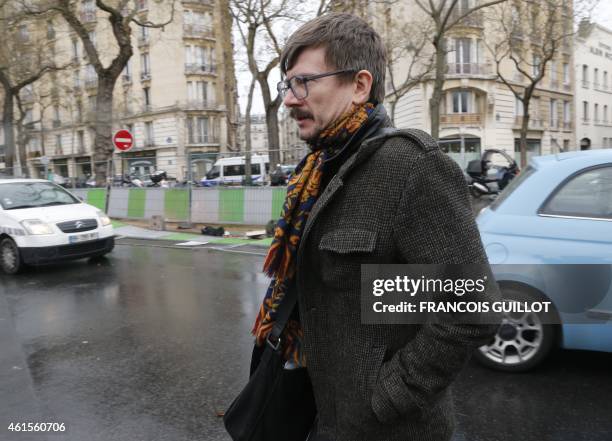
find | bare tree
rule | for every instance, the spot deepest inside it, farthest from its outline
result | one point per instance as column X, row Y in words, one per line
column 405, row 44
column 445, row 15
column 259, row 23
column 24, row 59
column 533, row 34
column 121, row 15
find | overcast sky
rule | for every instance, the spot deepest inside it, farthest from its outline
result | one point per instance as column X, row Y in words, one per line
column 602, row 15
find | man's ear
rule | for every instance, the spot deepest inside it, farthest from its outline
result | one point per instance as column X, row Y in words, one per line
column 362, row 87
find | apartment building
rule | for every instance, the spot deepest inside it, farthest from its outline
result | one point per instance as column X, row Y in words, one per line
column 593, row 63
column 177, row 94
column 478, row 111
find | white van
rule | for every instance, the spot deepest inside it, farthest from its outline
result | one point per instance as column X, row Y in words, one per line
column 231, row 171
column 41, row 222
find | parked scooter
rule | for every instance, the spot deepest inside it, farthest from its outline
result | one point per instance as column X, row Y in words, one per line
column 486, row 177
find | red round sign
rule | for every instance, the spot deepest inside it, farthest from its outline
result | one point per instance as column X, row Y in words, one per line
column 123, row 140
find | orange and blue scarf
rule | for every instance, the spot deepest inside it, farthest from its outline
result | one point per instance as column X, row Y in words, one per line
column 302, row 193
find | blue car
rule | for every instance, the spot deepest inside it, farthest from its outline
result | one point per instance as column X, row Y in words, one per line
column 549, row 238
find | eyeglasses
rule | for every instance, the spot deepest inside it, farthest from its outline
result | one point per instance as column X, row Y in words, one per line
column 298, row 83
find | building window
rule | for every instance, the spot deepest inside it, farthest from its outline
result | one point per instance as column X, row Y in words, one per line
column 145, row 64
column 566, row 145
column 197, row 130
column 553, row 113
column 463, row 55
column 553, row 72
column 75, row 50
column 567, row 114
column 92, row 103
column 56, row 113
column 596, row 78
column 566, row 73
column 585, row 75
column 605, row 114
column 81, row 140
column 536, row 65
column 197, row 92
column 92, row 38
column 518, row 107
column 461, row 102
column 24, row 35
column 149, row 133
column 585, row 110
column 605, row 79
column 596, row 112
column 79, row 111
column 50, row 30
column 58, row 144
column 147, row 96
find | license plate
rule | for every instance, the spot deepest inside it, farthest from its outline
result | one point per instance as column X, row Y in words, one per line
column 82, row 237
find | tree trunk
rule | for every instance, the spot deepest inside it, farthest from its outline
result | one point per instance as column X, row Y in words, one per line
column 9, row 133
column 21, row 149
column 524, row 129
column 271, row 121
column 436, row 97
column 103, row 145
column 247, row 137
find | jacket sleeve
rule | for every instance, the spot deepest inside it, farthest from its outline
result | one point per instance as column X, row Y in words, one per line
column 434, row 224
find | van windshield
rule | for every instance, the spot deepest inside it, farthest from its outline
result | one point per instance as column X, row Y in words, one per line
column 213, row 173
column 16, row 195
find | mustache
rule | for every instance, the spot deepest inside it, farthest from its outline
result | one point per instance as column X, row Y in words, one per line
column 296, row 113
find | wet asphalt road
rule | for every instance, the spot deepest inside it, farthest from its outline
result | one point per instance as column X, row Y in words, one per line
column 153, row 342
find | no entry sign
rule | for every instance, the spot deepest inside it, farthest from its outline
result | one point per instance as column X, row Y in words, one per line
column 123, row 140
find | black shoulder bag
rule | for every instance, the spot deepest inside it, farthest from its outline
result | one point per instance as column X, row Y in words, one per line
column 277, row 404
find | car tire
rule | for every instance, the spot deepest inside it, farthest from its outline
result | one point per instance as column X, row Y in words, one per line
column 10, row 257
column 522, row 341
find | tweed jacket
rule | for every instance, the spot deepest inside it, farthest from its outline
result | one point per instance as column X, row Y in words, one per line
column 395, row 200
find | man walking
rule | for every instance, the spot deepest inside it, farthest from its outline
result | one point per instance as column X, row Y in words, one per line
column 364, row 194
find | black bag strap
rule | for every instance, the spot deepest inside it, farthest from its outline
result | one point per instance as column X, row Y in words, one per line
column 282, row 317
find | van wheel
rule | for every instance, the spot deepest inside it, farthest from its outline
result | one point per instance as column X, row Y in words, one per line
column 522, row 341
column 10, row 259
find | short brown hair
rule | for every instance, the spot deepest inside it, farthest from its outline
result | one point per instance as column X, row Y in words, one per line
column 349, row 42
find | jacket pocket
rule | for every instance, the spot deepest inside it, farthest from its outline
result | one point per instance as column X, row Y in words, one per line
column 341, row 254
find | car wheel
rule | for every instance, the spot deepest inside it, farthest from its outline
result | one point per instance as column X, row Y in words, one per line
column 522, row 341
column 10, row 259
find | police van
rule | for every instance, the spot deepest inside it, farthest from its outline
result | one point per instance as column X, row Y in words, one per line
column 41, row 222
column 231, row 171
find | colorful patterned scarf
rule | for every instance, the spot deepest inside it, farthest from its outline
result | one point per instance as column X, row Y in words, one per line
column 302, row 193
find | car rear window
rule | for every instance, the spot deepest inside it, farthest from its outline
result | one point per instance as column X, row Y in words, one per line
column 587, row 194
column 513, row 185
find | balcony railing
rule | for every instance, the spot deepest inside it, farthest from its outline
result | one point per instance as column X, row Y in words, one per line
column 461, row 118
column 202, row 138
column 145, row 76
column 474, row 20
column 554, row 84
column 197, row 31
column 534, row 123
column 194, row 68
column 200, row 105
column 56, row 123
column 567, row 87
column 554, row 124
column 567, row 125
column 91, row 83
column 198, row 2
column 469, row 69
column 585, row 84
